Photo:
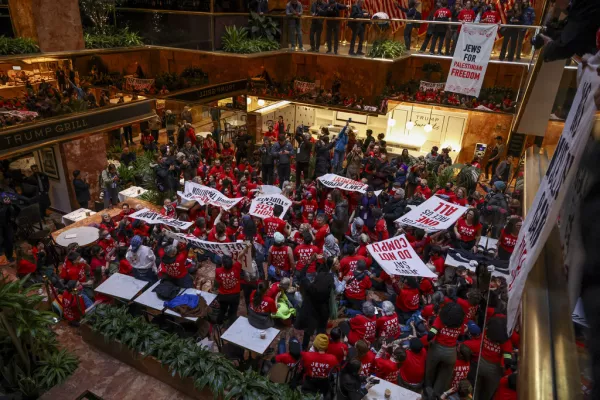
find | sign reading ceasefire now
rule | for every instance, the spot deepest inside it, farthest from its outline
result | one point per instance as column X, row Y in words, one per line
column 31, row 134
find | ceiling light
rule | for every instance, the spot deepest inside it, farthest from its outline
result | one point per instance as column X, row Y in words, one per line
column 261, row 102
column 410, row 125
column 428, row 128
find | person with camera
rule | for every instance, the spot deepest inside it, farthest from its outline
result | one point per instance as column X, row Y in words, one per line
column 353, row 386
column 358, row 28
column 282, row 151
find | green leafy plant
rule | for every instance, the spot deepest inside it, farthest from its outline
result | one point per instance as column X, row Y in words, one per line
column 9, row 46
column 112, row 39
column 467, row 177
column 235, row 40
column 387, row 48
column 262, row 26
column 54, row 369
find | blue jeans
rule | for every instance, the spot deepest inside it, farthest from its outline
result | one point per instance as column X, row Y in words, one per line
column 272, row 274
column 338, row 159
column 296, row 33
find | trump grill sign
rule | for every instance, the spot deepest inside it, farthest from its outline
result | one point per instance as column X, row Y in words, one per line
column 475, row 43
column 434, row 214
column 397, row 257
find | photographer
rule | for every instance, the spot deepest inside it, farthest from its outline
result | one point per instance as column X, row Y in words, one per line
column 352, row 385
column 323, row 155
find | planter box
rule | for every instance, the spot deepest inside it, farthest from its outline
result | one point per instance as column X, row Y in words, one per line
column 148, row 365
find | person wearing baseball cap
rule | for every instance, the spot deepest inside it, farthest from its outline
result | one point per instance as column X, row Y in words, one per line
column 142, row 259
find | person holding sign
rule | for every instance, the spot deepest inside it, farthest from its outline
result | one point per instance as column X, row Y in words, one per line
column 467, row 231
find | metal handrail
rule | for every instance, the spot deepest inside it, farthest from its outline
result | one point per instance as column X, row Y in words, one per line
column 548, row 365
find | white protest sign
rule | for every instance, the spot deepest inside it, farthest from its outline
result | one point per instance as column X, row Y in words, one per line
column 470, row 61
column 397, row 257
column 268, row 189
column 262, row 206
column 434, row 214
column 554, row 186
column 578, row 316
column 340, row 182
column 205, row 195
column 152, row 217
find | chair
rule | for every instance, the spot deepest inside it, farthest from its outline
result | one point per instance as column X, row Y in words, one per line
column 28, row 217
column 279, row 373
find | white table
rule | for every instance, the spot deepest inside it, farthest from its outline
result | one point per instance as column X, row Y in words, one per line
column 209, row 297
column 121, row 286
column 377, row 392
column 131, row 192
column 488, row 242
column 77, row 215
column 245, row 335
column 83, row 236
column 150, row 299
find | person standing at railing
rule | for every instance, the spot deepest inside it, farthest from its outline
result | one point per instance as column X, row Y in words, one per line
column 294, row 11
column 411, row 13
column 332, row 9
column 513, row 17
column 452, row 30
column 465, row 16
column 259, row 6
column 490, row 15
column 316, row 25
column 439, row 30
column 527, row 18
column 358, row 28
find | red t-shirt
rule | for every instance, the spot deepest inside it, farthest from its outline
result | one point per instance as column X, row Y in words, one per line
column 108, row 245
column 338, row 349
column 461, row 370
column 466, row 16
column 267, row 305
column 493, row 351
column 272, row 225
column 322, row 232
column 381, row 230
column 229, row 280
column 273, row 290
column 356, row 289
column 318, row 365
column 71, row 308
column 387, row 370
column 73, row 272
column 286, row 358
column 175, row 269
column 439, row 263
column 470, row 310
column 446, row 336
column 504, row 392
column 467, row 233
column 490, row 17
column 302, row 254
column 507, row 241
column 388, row 326
column 348, row 264
column 413, row 368
column 280, row 258
column 367, row 364
column 309, row 206
column 408, row 299
column 125, row 267
column 96, row 263
column 426, row 286
column 25, row 267
column 329, row 208
column 475, row 346
column 362, row 327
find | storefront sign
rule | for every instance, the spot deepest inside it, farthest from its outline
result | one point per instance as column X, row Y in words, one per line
column 336, row 181
column 33, row 134
column 553, row 188
column 475, row 44
column 397, row 257
column 434, row 214
column 151, row 217
column 425, row 86
column 222, row 89
column 205, row 195
column 262, row 206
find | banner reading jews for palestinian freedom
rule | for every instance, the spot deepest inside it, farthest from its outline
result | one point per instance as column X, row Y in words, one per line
column 397, row 257
column 339, row 182
column 434, row 214
column 152, row 217
column 470, row 61
column 262, row 206
column 205, row 195
column 544, row 210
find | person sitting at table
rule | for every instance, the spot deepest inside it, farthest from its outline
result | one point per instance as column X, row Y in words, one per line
column 98, row 259
column 317, row 364
column 174, row 265
column 107, row 243
column 142, row 259
column 352, row 384
column 73, row 306
column 261, row 306
column 227, row 277
column 107, row 223
column 388, row 361
column 125, row 211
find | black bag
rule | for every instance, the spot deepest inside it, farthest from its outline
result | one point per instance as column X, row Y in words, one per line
column 166, row 290
column 260, row 320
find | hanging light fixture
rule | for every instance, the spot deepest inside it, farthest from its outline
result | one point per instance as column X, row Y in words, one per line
column 391, row 122
column 261, row 102
column 248, row 100
column 410, row 124
column 428, row 128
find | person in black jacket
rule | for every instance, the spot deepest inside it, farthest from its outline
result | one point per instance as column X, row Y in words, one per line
column 351, row 382
column 394, row 208
column 82, row 188
column 323, row 156
column 8, row 215
column 411, row 13
column 41, row 182
column 358, row 28
column 430, row 28
column 267, row 162
column 316, row 25
column 303, row 154
column 332, row 9
column 242, row 143
column 439, row 30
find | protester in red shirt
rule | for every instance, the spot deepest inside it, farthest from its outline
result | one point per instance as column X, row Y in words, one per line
column 388, row 326
column 26, row 262
column 317, row 365
column 381, row 230
column 407, row 301
column 461, row 368
column 218, row 233
column 73, row 305
column 306, row 254
column 438, row 261
column 448, row 192
column 388, row 362
column 74, row 268
column 280, row 258
column 309, row 205
column 98, row 259
column 260, row 302
column 329, row 206
column 169, row 209
column 497, row 349
column 508, row 238
column 337, row 347
column 471, row 305
column 461, row 197
column 491, row 16
column 442, row 338
column 107, row 243
column 107, row 223
column 227, row 276
column 274, row 224
column 422, row 191
column 357, row 284
column 322, row 230
column 366, row 357
column 507, row 388
column 466, row 15
column 349, row 262
column 363, row 326
column 412, row 371
column 173, row 265
column 467, row 230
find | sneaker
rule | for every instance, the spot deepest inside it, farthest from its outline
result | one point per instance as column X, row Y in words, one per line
column 431, row 53
column 421, row 51
column 300, row 49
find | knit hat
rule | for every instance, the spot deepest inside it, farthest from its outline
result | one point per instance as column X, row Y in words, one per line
column 279, row 238
column 474, row 329
column 136, row 242
column 321, row 342
column 500, row 185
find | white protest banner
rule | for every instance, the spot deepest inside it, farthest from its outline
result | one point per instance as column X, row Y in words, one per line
column 205, row 195
column 268, row 189
column 303, row 87
column 138, row 84
column 434, row 214
column 262, row 206
column 553, row 188
column 424, row 86
column 397, row 257
column 475, row 44
column 152, row 217
column 336, row 181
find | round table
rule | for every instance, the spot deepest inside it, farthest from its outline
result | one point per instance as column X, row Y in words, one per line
column 86, row 235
